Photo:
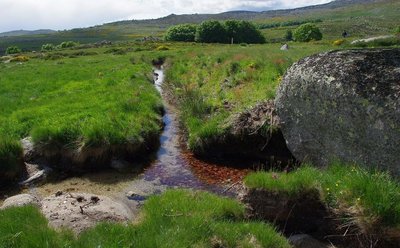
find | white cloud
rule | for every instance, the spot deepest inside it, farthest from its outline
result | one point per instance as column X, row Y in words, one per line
column 66, row 14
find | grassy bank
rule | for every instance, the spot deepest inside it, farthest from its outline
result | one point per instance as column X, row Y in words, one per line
column 212, row 84
column 80, row 100
column 367, row 200
column 175, row 219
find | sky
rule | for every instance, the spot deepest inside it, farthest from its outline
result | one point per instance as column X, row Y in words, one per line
column 68, row 14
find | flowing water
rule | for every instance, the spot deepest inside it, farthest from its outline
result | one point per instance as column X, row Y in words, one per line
column 175, row 167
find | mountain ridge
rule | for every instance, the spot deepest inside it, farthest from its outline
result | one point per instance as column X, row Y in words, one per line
column 22, row 32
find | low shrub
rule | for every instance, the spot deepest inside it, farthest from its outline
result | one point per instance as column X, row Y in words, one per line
column 13, row 50
column 338, row 42
column 20, row 59
column 48, row 47
column 162, row 48
column 68, row 44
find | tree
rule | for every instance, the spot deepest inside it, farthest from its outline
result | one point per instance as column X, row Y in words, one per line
column 307, row 32
column 13, row 50
column 211, row 32
column 183, row 32
column 48, row 47
column 288, row 35
column 243, row 32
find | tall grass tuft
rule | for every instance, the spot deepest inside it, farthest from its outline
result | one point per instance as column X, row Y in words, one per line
column 10, row 159
column 370, row 196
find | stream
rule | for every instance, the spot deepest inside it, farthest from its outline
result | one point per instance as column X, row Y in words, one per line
column 175, row 167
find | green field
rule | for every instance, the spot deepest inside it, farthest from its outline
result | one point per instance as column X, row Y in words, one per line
column 213, row 83
column 94, row 101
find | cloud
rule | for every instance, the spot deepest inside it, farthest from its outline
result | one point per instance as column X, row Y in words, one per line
column 66, row 14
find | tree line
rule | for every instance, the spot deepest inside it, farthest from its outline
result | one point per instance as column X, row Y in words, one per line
column 231, row 31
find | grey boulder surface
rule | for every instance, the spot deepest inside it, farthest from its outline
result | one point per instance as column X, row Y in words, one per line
column 343, row 106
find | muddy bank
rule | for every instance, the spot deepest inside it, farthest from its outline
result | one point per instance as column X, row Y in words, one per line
column 66, row 159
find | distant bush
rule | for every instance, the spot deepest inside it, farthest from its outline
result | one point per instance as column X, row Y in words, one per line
column 338, row 42
column 20, row 59
column 48, row 47
column 68, row 44
column 288, row 35
column 13, row 50
column 211, row 32
column 287, row 23
column 182, row 32
column 397, row 30
column 307, row 32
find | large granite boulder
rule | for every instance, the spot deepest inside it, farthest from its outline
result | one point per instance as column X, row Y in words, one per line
column 343, row 105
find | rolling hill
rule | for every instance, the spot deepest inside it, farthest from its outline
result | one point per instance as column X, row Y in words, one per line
column 361, row 18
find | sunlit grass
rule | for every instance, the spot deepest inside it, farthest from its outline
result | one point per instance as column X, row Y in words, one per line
column 212, row 83
column 370, row 196
column 178, row 218
column 90, row 101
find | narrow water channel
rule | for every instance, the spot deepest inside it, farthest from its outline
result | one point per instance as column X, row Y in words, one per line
column 175, row 166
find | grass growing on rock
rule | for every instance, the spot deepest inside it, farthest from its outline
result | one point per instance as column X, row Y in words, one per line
column 178, row 218
column 93, row 100
column 371, row 197
column 213, row 83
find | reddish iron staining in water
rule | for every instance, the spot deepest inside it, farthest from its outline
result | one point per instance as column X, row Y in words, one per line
column 213, row 173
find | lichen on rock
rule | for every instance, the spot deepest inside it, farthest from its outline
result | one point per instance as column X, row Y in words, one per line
column 343, row 105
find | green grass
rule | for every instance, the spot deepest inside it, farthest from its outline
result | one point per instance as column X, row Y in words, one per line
column 178, row 218
column 10, row 160
column 372, row 197
column 292, row 184
column 100, row 100
column 27, row 227
column 207, row 78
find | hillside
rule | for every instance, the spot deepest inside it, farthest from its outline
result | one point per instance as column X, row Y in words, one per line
column 361, row 18
column 26, row 32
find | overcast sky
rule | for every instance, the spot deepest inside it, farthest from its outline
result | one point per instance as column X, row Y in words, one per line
column 67, row 14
